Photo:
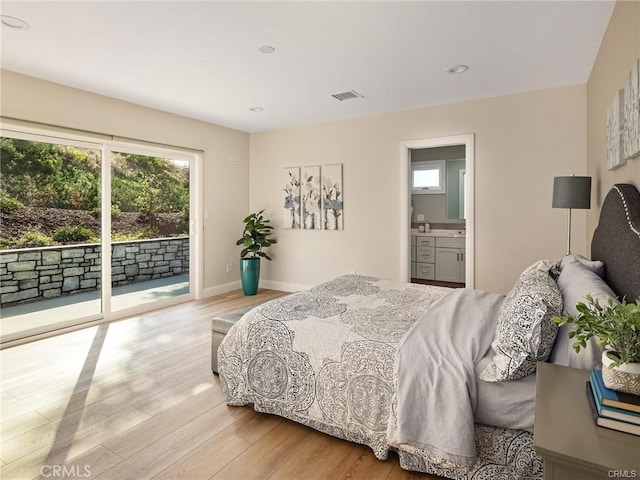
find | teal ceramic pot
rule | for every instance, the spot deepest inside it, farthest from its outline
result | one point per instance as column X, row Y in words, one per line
column 250, row 275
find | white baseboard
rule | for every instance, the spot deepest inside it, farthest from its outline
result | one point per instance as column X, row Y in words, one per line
column 218, row 289
column 283, row 286
column 270, row 284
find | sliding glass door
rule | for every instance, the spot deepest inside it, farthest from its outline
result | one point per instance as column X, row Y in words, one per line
column 150, row 249
column 91, row 231
column 50, row 255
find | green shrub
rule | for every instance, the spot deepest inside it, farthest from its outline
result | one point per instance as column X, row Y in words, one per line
column 142, row 233
column 116, row 213
column 74, row 233
column 6, row 243
column 34, row 239
column 9, row 204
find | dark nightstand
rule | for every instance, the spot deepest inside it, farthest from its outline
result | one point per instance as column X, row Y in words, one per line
column 566, row 436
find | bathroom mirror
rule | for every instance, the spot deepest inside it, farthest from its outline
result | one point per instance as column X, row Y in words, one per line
column 456, row 172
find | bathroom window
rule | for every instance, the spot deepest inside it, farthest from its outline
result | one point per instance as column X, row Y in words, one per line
column 429, row 177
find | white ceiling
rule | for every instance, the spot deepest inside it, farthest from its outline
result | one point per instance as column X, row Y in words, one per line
column 201, row 59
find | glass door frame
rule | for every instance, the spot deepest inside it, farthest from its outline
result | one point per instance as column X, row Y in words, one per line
column 106, row 144
column 70, row 141
column 195, row 233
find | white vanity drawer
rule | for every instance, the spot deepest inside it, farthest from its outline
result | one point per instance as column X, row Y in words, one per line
column 451, row 242
column 425, row 242
column 426, row 254
column 426, row 271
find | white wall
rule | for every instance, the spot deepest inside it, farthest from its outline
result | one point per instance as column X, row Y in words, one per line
column 226, row 186
column 521, row 142
column 619, row 50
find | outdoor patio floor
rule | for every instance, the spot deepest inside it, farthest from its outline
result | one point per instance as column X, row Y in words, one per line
column 27, row 318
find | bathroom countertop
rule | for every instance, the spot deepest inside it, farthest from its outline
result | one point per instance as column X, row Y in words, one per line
column 439, row 233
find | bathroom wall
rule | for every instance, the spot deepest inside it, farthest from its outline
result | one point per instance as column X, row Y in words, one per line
column 434, row 206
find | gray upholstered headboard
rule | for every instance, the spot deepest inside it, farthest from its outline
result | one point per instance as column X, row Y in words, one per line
column 616, row 241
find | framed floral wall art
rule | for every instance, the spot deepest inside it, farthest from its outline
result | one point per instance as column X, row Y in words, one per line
column 310, row 198
column 615, row 127
column 291, row 189
column 631, row 120
column 332, row 197
column 623, row 121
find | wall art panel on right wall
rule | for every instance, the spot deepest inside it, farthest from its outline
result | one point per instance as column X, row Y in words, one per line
column 631, row 122
column 615, row 120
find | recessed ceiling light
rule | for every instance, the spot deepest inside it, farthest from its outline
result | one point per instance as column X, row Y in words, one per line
column 256, row 109
column 266, row 49
column 458, row 69
column 14, row 22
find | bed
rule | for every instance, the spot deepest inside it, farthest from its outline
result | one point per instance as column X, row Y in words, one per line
column 446, row 378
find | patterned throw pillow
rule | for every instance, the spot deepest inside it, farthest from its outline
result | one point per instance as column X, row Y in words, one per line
column 525, row 331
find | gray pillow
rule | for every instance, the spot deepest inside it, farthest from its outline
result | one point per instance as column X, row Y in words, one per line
column 576, row 280
column 596, row 266
column 525, row 331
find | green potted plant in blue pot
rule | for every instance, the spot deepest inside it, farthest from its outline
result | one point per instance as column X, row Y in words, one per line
column 254, row 238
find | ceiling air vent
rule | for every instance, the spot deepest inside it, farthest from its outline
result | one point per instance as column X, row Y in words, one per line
column 347, row 95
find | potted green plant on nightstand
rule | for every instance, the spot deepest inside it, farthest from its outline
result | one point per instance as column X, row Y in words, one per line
column 617, row 326
column 255, row 237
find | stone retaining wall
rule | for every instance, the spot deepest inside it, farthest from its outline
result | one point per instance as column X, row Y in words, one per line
column 33, row 274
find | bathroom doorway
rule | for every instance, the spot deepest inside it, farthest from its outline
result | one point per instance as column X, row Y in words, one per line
column 437, row 210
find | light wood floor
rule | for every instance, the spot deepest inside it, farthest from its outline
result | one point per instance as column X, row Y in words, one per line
column 136, row 399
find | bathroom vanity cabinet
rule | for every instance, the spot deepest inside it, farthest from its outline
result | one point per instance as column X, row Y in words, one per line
column 435, row 257
column 423, row 261
column 449, row 253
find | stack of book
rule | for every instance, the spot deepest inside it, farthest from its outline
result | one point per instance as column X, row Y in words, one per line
column 611, row 409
